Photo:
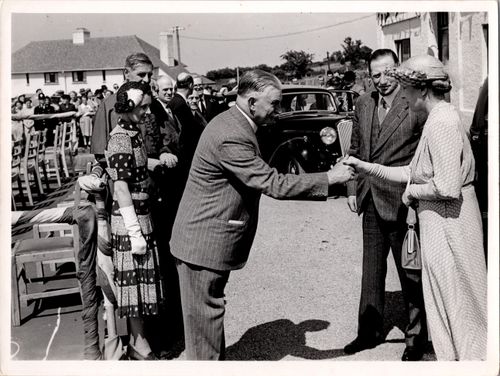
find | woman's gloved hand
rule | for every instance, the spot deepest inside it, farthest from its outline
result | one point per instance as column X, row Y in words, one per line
column 137, row 240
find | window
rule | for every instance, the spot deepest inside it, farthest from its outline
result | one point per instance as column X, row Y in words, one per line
column 79, row 76
column 51, row 78
column 403, row 49
column 103, row 76
column 443, row 37
column 27, row 79
column 307, row 102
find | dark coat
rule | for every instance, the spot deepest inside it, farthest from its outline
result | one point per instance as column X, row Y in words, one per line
column 401, row 130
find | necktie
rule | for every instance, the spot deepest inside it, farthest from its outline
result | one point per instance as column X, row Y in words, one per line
column 202, row 105
column 382, row 110
column 172, row 119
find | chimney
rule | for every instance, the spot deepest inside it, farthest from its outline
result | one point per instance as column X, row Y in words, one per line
column 81, row 35
column 167, row 48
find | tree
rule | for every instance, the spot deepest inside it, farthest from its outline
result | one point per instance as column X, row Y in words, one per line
column 217, row 74
column 279, row 72
column 264, row 67
column 297, row 62
column 336, row 57
column 353, row 51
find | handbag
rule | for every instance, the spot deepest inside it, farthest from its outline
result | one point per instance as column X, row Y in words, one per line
column 411, row 258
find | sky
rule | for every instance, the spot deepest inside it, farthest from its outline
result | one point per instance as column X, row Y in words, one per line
column 203, row 55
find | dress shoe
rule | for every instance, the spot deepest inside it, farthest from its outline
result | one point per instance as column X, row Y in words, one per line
column 360, row 344
column 412, row 353
column 132, row 354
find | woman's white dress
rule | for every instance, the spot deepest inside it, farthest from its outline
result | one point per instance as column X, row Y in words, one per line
column 453, row 260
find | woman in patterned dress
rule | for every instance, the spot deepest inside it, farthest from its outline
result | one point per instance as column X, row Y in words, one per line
column 442, row 172
column 135, row 255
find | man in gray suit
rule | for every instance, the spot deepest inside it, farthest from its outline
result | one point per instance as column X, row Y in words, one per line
column 384, row 131
column 217, row 217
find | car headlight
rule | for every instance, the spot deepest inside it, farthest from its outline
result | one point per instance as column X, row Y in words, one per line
column 328, row 135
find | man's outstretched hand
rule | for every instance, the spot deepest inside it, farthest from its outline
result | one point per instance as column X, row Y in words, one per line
column 340, row 173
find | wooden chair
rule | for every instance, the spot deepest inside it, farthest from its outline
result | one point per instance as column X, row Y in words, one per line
column 17, row 154
column 29, row 165
column 53, row 155
column 42, row 162
column 67, row 148
column 40, row 250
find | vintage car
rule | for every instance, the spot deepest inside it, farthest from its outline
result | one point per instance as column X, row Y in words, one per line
column 345, row 100
column 309, row 135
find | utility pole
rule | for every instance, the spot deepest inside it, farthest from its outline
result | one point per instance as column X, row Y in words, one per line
column 176, row 29
column 328, row 59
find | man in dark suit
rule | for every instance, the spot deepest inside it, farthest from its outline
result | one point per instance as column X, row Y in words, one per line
column 208, row 105
column 49, row 124
column 384, row 131
column 168, row 327
column 217, row 218
column 138, row 67
column 190, row 128
column 170, row 126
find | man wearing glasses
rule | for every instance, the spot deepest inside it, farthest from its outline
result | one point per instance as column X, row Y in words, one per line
column 209, row 107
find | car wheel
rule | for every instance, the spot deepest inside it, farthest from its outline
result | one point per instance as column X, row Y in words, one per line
column 294, row 167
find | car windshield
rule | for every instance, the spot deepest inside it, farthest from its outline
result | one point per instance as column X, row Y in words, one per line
column 307, row 102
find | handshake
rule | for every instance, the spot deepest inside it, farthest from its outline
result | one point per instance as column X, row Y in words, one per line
column 342, row 172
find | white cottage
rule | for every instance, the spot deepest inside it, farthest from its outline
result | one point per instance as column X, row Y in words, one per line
column 85, row 62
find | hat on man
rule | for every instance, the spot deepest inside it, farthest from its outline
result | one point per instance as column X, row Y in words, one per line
column 349, row 76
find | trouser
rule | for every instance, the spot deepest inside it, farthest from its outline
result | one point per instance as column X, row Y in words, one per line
column 167, row 328
column 203, row 308
column 378, row 237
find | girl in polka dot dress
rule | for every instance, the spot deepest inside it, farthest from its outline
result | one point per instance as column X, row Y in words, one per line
column 135, row 254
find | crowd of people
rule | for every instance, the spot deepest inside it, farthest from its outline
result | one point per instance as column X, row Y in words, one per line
column 85, row 104
column 186, row 176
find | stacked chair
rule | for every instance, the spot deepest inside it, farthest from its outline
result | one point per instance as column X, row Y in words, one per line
column 17, row 155
column 29, row 170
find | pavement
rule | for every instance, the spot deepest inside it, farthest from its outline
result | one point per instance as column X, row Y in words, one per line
column 296, row 299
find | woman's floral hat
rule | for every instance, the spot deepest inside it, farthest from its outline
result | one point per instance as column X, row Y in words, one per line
column 419, row 71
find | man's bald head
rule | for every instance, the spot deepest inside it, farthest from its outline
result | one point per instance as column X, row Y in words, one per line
column 185, row 83
column 165, row 88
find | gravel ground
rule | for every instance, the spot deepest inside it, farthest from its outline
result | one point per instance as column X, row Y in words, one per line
column 297, row 297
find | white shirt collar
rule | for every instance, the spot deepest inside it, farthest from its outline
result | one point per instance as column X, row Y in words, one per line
column 252, row 123
column 163, row 105
column 389, row 98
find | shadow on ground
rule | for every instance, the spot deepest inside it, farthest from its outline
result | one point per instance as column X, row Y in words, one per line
column 395, row 315
column 277, row 339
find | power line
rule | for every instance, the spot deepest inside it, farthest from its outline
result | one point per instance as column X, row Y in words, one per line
column 274, row 36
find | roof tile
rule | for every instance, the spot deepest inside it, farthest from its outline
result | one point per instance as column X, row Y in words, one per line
column 95, row 54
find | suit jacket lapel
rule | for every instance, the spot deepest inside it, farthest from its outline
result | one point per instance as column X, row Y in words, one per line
column 244, row 125
column 394, row 118
column 368, row 121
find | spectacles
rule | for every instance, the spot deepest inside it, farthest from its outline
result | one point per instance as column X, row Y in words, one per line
column 192, row 98
column 197, row 87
